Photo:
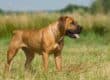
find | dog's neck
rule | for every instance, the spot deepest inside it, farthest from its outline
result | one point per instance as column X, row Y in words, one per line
column 58, row 31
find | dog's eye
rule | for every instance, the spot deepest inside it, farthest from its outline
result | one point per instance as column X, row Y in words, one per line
column 73, row 23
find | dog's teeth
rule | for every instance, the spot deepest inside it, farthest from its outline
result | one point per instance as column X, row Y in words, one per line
column 76, row 35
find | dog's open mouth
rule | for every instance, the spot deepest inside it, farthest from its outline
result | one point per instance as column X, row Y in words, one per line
column 76, row 35
column 72, row 35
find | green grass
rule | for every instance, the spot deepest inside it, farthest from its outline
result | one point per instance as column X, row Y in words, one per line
column 86, row 58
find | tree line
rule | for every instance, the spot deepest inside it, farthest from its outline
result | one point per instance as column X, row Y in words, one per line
column 98, row 6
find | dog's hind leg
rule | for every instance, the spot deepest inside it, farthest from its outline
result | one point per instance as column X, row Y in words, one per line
column 29, row 57
column 10, row 55
column 12, row 50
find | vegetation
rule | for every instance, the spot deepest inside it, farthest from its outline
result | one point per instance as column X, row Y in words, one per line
column 86, row 58
column 101, row 6
column 98, row 6
column 1, row 11
column 74, row 8
column 91, row 23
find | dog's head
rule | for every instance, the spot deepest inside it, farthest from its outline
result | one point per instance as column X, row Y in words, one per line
column 72, row 29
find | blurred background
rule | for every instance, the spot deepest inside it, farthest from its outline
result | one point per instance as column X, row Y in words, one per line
column 93, row 15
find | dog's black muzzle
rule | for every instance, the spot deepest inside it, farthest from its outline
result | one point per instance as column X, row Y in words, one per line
column 75, row 33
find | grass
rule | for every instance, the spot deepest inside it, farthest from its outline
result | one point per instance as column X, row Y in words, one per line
column 98, row 23
column 86, row 58
column 82, row 60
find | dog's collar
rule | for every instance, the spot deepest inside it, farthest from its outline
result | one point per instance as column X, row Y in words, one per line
column 61, row 39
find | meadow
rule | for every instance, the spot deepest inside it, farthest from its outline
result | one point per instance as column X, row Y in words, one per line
column 86, row 58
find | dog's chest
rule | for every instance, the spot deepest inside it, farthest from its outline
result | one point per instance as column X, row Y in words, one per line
column 58, row 46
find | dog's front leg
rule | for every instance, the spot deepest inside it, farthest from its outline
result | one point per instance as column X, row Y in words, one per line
column 58, row 61
column 45, row 60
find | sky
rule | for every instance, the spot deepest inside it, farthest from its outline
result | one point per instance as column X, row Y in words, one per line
column 39, row 5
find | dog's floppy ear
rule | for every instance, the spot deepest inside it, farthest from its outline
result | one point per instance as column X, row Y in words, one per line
column 62, row 22
column 63, row 18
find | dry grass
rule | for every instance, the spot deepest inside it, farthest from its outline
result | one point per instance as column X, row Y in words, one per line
column 81, row 61
column 98, row 23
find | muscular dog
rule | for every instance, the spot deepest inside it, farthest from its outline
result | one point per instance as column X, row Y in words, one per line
column 44, row 41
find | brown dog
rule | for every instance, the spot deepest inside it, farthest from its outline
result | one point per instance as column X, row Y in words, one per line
column 44, row 41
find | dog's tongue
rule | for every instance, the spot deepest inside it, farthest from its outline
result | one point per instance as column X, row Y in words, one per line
column 76, row 35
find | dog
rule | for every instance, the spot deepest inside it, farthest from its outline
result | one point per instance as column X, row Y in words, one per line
column 43, row 41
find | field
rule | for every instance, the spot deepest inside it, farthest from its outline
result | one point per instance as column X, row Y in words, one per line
column 87, row 58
